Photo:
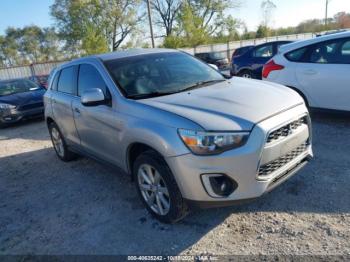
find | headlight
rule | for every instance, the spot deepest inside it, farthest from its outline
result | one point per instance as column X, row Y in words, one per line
column 6, row 106
column 207, row 143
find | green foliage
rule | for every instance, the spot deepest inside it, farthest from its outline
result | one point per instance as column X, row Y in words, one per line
column 201, row 22
column 94, row 42
column 263, row 31
column 30, row 44
column 172, row 41
column 111, row 20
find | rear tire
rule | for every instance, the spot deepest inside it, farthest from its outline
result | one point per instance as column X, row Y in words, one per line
column 59, row 144
column 157, row 188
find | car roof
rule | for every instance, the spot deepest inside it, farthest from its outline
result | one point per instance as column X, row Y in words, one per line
column 130, row 53
column 117, row 55
column 276, row 42
column 302, row 43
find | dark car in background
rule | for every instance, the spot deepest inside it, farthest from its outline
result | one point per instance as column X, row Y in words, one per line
column 19, row 99
column 41, row 80
column 250, row 63
column 216, row 58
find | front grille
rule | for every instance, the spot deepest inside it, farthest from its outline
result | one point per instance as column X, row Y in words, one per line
column 286, row 130
column 272, row 166
column 31, row 106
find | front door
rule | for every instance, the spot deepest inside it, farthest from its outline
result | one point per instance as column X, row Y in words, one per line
column 97, row 126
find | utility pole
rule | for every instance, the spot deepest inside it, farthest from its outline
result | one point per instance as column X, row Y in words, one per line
column 150, row 21
column 325, row 20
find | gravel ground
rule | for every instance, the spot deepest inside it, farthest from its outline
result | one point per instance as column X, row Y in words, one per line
column 83, row 207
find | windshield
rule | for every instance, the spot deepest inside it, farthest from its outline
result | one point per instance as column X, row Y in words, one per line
column 162, row 73
column 217, row 55
column 11, row 87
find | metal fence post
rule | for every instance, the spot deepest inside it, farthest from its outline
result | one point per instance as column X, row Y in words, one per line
column 228, row 50
column 32, row 70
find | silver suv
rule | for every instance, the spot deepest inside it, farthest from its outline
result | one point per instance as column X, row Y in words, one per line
column 187, row 136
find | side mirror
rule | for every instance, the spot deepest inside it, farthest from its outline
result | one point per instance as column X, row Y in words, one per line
column 214, row 66
column 93, row 97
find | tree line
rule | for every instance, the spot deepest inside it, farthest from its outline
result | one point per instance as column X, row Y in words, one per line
column 83, row 27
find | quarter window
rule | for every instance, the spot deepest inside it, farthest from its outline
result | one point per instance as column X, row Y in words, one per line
column 54, row 82
column 67, row 80
column 89, row 78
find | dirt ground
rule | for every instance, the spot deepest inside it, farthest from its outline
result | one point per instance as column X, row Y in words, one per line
column 82, row 207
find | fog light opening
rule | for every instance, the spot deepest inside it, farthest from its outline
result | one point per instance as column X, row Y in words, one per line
column 218, row 185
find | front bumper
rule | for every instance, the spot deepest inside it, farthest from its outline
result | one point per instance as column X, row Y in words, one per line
column 14, row 115
column 242, row 164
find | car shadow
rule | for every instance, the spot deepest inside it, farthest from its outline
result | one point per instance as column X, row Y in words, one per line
column 24, row 130
column 83, row 207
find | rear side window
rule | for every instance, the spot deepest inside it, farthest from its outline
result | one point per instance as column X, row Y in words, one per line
column 67, row 81
column 89, row 77
column 346, row 48
column 263, row 51
column 330, row 52
column 345, row 53
column 296, row 55
column 324, row 53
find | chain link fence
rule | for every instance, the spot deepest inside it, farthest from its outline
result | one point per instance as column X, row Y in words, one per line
column 27, row 71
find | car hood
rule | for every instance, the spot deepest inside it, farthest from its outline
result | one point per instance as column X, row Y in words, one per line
column 233, row 105
column 24, row 98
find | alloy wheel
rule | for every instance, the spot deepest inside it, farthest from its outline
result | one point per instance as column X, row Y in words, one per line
column 153, row 189
column 57, row 141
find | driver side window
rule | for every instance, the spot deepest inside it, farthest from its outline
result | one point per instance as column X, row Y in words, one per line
column 88, row 78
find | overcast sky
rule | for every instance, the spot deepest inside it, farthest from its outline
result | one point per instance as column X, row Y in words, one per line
column 19, row 13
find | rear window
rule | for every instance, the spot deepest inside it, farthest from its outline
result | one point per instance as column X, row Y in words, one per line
column 218, row 55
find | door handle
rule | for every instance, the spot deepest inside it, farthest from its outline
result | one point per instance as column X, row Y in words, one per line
column 77, row 110
column 310, row 72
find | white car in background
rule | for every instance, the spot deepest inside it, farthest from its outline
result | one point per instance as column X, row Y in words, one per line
column 318, row 69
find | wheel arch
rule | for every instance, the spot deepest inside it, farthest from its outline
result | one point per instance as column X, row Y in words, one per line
column 301, row 93
column 134, row 150
column 49, row 120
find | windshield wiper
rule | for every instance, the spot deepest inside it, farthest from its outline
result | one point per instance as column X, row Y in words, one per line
column 201, row 84
column 149, row 95
column 157, row 93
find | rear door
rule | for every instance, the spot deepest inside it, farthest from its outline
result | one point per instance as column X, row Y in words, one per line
column 325, row 74
column 61, row 101
column 97, row 125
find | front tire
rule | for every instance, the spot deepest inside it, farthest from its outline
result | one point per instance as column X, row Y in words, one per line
column 59, row 144
column 158, row 189
column 245, row 74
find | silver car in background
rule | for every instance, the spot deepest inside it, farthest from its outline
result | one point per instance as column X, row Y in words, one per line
column 188, row 136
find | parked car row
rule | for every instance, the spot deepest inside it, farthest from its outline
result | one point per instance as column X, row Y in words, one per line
column 318, row 69
column 250, row 61
column 187, row 135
